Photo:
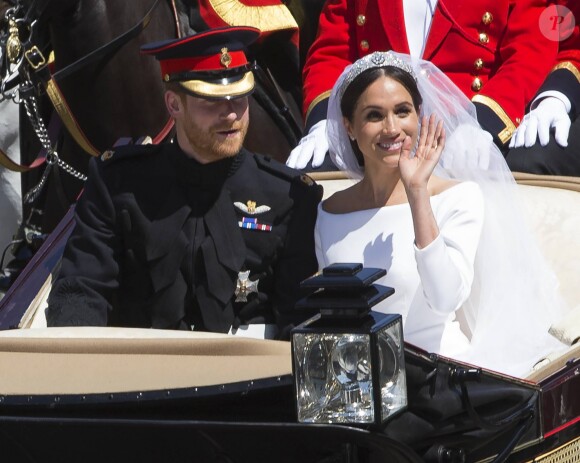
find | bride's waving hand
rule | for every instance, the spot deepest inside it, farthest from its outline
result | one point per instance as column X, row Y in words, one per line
column 416, row 170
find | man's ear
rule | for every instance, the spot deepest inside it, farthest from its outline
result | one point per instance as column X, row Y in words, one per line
column 173, row 103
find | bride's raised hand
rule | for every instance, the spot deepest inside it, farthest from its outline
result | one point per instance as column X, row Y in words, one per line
column 416, row 170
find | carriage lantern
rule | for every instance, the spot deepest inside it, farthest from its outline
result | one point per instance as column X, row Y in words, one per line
column 348, row 361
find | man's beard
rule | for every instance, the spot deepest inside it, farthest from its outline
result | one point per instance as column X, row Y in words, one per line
column 208, row 145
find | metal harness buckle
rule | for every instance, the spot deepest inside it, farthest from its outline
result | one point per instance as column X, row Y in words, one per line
column 35, row 57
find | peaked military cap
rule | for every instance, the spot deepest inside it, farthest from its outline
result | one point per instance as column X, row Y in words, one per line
column 210, row 64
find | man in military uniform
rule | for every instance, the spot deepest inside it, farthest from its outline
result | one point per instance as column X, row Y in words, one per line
column 548, row 140
column 493, row 50
column 197, row 233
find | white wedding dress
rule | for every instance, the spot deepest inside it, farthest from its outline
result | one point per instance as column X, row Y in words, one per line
column 485, row 261
column 430, row 283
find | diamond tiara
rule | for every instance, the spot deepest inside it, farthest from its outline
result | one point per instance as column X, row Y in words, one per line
column 377, row 59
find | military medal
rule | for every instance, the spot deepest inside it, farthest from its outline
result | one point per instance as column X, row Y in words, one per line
column 245, row 286
column 252, row 223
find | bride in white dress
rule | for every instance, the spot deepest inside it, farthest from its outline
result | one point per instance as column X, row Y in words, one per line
column 435, row 205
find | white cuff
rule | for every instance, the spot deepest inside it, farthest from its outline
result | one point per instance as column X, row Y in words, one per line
column 556, row 94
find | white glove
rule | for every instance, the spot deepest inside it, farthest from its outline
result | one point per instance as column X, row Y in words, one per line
column 313, row 146
column 550, row 113
column 468, row 147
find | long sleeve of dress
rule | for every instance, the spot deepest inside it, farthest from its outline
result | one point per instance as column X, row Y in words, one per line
column 446, row 266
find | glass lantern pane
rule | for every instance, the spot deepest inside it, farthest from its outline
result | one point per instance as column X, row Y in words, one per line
column 333, row 378
column 392, row 376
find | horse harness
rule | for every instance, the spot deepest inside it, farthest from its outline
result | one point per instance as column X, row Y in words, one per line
column 27, row 71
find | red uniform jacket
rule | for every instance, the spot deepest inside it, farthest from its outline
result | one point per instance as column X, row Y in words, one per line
column 493, row 50
column 565, row 75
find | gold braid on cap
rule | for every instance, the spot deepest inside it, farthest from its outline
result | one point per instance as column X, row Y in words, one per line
column 378, row 59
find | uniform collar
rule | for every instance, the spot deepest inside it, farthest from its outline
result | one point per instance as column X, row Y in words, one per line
column 192, row 172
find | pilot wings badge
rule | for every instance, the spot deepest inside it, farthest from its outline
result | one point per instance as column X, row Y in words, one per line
column 251, row 208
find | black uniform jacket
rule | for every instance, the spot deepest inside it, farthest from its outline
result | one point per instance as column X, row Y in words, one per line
column 160, row 241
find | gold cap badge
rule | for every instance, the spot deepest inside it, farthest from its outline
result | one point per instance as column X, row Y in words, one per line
column 225, row 59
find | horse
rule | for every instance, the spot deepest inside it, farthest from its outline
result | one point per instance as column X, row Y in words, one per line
column 10, row 193
column 118, row 93
column 10, row 197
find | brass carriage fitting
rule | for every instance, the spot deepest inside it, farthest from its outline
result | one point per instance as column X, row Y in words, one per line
column 13, row 44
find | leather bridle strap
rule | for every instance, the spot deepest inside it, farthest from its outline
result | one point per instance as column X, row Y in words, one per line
column 61, row 107
column 9, row 164
column 54, row 127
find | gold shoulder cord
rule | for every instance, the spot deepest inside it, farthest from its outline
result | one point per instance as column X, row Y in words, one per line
column 267, row 18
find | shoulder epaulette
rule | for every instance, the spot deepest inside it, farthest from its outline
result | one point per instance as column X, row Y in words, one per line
column 282, row 170
column 127, row 152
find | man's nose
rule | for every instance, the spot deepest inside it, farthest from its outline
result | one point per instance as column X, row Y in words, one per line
column 228, row 110
column 232, row 109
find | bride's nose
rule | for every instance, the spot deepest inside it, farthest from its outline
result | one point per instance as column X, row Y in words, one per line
column 390, row 126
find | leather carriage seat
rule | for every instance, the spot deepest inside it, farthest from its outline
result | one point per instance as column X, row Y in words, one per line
column 553, row 207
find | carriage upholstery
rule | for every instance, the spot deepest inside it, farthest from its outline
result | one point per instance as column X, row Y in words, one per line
column 553, row 209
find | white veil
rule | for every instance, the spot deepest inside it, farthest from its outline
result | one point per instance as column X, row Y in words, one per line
column 514, row 297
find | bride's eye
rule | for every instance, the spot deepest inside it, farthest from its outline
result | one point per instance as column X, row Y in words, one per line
column 404, row 111
column 374, row 116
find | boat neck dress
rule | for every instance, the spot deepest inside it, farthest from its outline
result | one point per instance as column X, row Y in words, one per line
column 431, row 283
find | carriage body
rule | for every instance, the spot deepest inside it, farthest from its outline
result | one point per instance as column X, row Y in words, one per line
column 120, row 394
column 123, row 395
